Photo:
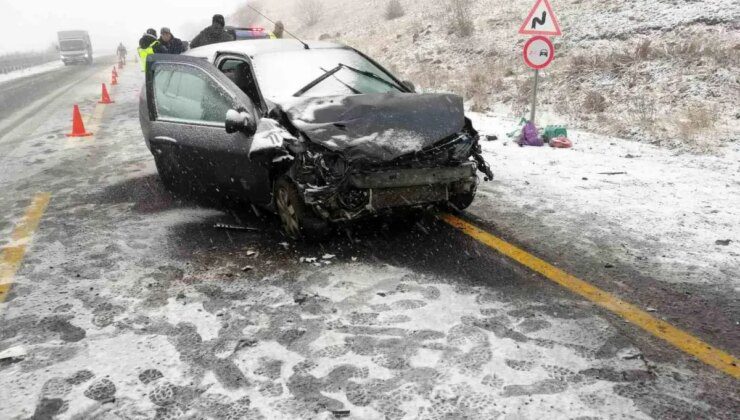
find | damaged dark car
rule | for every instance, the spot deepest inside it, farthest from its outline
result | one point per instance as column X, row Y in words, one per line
column 318, row 133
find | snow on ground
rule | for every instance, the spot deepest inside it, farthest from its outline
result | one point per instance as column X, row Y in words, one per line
column 619, row 201
column 131, row 306
column 43, row 68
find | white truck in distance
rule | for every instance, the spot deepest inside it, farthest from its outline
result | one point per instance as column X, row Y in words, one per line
column 75, row 47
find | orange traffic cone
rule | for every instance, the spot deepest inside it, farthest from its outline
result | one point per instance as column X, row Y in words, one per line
column 114, row 80
column 78, row 127
column 115, row 73
column 105, row 98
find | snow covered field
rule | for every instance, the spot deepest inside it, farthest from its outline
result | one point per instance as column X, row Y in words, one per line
column 53, row 65
column 666, row 214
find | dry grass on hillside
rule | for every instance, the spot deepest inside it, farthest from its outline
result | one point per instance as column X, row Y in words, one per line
column 660, row 85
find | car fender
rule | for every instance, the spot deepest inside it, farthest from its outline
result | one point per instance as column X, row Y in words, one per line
column 269, row 142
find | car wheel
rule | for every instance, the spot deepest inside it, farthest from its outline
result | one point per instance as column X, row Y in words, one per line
column 461, row 201
column 166, row 174
column 298, row 221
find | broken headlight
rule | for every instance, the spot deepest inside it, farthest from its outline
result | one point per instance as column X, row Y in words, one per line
column 354, row 199
column 461, row 147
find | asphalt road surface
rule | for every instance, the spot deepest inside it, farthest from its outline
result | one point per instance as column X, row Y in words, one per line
column 120, row 301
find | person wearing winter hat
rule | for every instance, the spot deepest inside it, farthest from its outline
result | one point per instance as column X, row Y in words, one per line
column 148, row 45
column 213, row 34
column 170, row 43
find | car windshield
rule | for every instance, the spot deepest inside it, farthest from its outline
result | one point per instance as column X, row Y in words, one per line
column 281, row 75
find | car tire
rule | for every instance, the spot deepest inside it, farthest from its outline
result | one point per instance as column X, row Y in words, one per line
column 298, row 221
column 461, row 201
column 166, row 175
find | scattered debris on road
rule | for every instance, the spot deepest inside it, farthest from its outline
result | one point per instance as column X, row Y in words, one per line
column 235, row 227
column 722, row 242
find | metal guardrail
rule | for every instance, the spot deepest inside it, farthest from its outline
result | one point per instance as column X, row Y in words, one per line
column 13, row 62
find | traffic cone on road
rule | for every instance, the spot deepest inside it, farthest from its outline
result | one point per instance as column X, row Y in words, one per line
column 105, row 98
column 78, row 127
column 115, row 73
column 113, row 80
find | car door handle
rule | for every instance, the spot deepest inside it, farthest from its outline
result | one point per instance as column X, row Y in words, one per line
column 166, row 139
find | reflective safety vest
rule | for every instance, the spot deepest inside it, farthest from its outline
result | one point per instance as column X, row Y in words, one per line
column 273, row 36
column 145, row 52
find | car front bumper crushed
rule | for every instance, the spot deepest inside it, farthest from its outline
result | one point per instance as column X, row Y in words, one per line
column 388, row 189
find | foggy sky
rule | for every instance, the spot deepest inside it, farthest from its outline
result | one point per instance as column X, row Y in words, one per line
column 33, row 24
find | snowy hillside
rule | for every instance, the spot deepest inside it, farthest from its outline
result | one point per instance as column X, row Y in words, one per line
column 663, row 72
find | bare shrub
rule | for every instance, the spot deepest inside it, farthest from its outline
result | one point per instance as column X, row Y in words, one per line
column 696, row 46
column 694, row 120
column 460, row 16
column 594, row 102
column 642, row 51
column 643, row 111
column 309, row 11
column 427, row 78
column 482, row 84
column 393, row 10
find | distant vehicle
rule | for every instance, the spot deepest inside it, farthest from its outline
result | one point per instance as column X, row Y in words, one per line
column 318, row 133
column 241, row 34
column 75, row 47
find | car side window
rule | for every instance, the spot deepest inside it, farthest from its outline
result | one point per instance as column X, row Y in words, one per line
column 239, row 72
column 186, row 93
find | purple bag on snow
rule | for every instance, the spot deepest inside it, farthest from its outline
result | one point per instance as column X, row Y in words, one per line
column 530, row 136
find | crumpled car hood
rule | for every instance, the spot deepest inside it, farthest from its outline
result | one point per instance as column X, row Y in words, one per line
column 377, row 127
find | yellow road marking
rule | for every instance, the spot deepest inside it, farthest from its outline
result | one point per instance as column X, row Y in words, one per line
column 659, row 328
column 12, row 255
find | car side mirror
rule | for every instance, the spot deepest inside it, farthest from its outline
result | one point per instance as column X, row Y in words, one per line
column 409, row 85
column 239, row 121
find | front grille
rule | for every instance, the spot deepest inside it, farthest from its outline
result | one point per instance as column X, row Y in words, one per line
column 410, row 177
column 407, row 196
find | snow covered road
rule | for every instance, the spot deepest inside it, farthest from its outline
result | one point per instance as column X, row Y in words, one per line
column 130, row 304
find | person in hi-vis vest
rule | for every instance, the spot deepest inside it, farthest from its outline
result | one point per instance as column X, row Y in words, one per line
column 148, row 45
column 277, row 33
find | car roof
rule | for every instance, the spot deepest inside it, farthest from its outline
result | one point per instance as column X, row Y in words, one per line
column 256, row 47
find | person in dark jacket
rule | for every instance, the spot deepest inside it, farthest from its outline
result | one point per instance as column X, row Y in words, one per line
column 148, row 45
column 212, row 34
column 169, row 42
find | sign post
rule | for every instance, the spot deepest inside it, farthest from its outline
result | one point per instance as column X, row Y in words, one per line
column 534, row 95
column 538, row 54
column 539, row 50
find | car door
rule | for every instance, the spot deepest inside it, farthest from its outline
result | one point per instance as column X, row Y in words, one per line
column 188, row 99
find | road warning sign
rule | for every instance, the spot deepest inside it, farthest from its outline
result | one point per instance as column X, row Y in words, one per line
column 541, row 21
column 539, row 52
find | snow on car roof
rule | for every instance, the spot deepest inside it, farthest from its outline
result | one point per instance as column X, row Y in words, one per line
column 259, row 46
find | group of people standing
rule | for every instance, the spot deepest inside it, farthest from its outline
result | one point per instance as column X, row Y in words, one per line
column 169, row 44
column 165, row 44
